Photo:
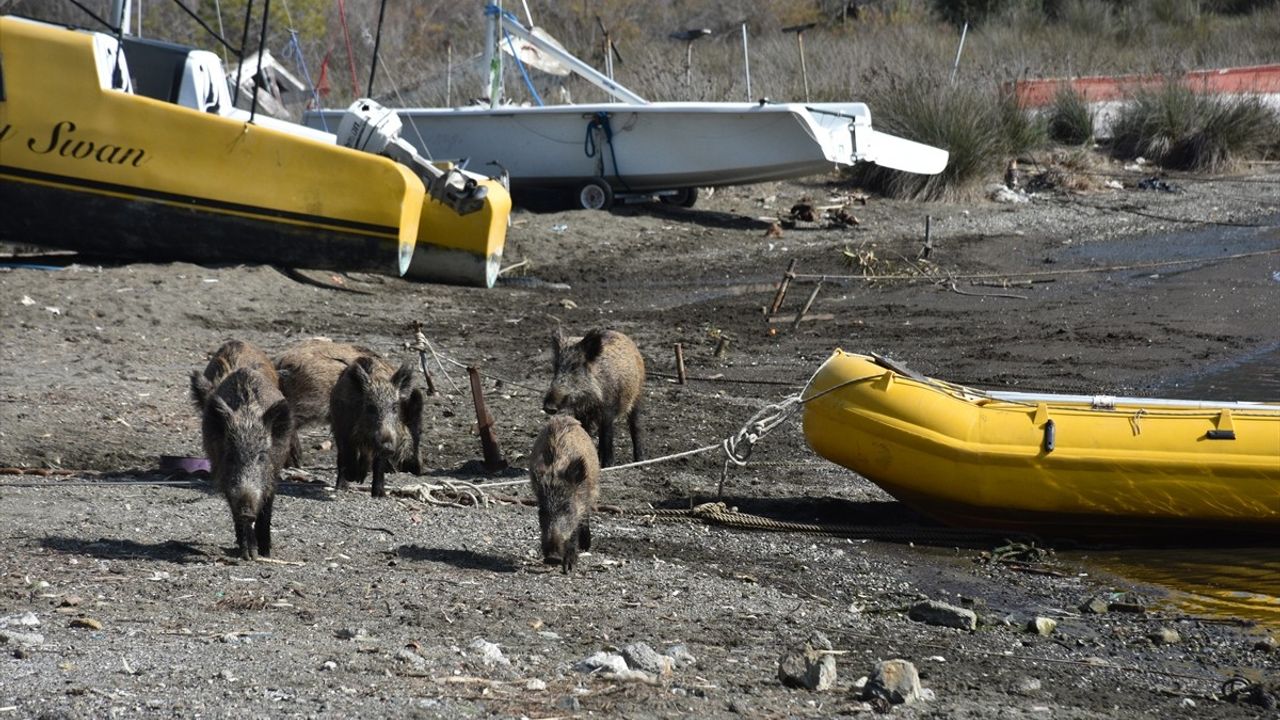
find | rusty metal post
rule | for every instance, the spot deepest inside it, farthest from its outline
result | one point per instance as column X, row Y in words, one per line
column 680, row 376
column 782, row 287
column 493, row 461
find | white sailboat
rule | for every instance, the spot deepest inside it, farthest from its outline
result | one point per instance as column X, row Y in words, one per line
column 602, row 151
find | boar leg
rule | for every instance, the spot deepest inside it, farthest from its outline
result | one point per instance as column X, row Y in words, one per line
column 347, row 462
column 263, row 527
column 246, row 542
column 294, row 458
column 379, row 488
column 584, row 534
column 606, row 442
column 633, row 424
column 570, row 558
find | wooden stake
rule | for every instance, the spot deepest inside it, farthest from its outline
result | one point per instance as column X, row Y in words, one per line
column 680, row 376
column 808, row 304
column 722, row 346
column 493, row 461
column 928, row 238
column 782, row 288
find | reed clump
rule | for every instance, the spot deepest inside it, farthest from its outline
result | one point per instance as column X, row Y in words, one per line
column 1182, row 129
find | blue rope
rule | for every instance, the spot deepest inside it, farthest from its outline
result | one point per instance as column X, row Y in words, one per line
column 294, row 50
column 601, row 120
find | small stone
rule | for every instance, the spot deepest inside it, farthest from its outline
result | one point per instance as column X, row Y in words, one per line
column 21, row 640
column 535, row 685
column 809, row 665
column 932, row 612
column 352, row 634
column 630, row 675
column 1042, row 626
column 1165, row 636
column 601, row 662
column 71, row 601
column 681, row 656
column 489, row 653
column 1027, row 686
column 570, row 703
column 412, row 658
column 86, row 622
column 329, row 665
column 640, row 656
column 741, row 707
column 894, row 681
column 1094, row 606
column 26, row 619
column 1266, row 644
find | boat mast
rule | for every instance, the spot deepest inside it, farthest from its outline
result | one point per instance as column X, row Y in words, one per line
column 492, row 55
column 120, row 14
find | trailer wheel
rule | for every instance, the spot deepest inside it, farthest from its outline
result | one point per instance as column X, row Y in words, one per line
column 595, row 195
column 684, row 197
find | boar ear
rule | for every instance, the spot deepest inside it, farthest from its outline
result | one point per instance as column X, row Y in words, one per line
column 362, row 369
column 576, row 471
column 411, row 408
column 403, row 377
column 279, row 420
column 217, row 419
column 201, row 388
column 592, row 345
column 557, row 346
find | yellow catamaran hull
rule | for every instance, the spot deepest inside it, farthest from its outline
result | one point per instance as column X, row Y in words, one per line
column 89, row 168
column 1049, row 464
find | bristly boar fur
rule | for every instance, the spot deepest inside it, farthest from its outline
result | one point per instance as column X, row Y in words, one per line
column 565, row 475
column 377, row 422
column 229, row 357
column 245, row 428
column 598, row 380
column 308, row 371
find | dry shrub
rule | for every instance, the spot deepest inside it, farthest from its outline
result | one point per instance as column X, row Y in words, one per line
column 1071, row 122
column 1186, row 130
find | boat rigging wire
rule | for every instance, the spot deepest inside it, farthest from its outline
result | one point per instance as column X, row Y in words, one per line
column 377, row 43
column 262, row 48
column 244, row 42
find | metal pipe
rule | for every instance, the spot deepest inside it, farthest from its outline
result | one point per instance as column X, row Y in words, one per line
column 956, row 65
column 377, row 43
column 746, row 60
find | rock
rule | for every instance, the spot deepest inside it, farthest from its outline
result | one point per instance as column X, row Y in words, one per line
column 932, row 612
column 1042, row 625
column 87, row 623
column 630, row 675
column 329, row 665
column 681, row 656
column 1165, row 636
column 535, row 685
column 570, row 703
column 1002, row 194
column 640, row 656
column 809, row 664
column 1266, row 644
column 893, row 681
column 21, row 640
column 26, row 619
column 71, row 601
column 601, row 662
column 741, row 707
column 489, row 653
column 351, row 634
column 411, row 658
column 1027, row 686
column 1094, row 606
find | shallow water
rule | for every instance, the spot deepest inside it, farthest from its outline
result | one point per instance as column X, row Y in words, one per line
column 1217, row 582
column 1254, row 377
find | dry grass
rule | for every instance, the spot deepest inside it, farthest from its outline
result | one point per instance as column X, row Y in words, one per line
column 1185, row 130
column 1071, row 121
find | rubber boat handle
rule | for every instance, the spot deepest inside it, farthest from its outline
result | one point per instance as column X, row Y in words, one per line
column 1050, row 436
column 1220, row 435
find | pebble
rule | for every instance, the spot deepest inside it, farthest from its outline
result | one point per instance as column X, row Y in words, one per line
column 86, row 622
column 640, row 656
column 535, row 685
column 570, row 703
column 806, row 665
column 1027, row 686
column 352, row 634
column 1094, row 606
column 71, row 601
column 21, row 640
column 681, row 656
column 27, row 619
column 1042, row 626
column 406, row 655
column 1266, row 644
column 932, row 612
column 896, row 681
column 601, row 662
column 329, row 665
column 1165, row 636
column 490, row 654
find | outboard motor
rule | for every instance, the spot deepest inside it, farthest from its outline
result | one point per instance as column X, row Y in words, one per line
column 375, row 129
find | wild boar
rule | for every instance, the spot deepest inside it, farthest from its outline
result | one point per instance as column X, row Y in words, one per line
column 308, row 371
column 229, row 357
column 245, row 428
column 377, row 422
column 597, row 380
column 565, row 476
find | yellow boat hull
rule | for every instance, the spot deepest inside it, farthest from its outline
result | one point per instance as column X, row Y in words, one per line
column 102, row 171
column 1052, row 466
